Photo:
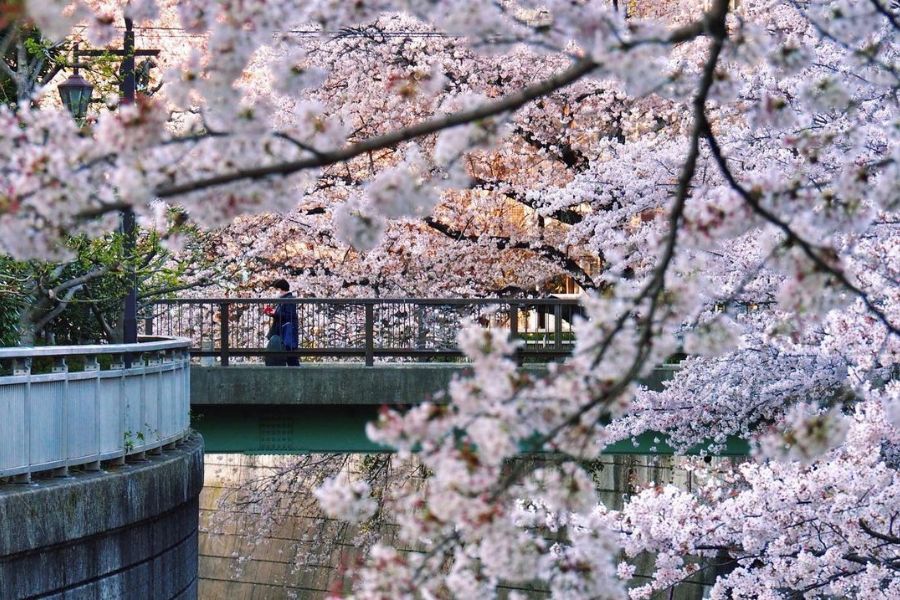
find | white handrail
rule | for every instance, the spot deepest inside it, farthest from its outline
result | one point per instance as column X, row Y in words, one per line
column 54, row 421
column 92, row 349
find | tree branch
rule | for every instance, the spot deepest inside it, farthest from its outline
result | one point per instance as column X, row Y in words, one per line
column 77, row 281
column 174, row 288
column 880, row 536
column 549, row 253
column 506, row 104
column 104, row 325
column 569, row 156
column 714, row 23
column 569, row 217
column 808, row 249
column 60, row 306
column 886, row 13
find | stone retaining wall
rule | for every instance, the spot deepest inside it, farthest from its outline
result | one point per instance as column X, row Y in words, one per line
column 129, row 531
column 238, row 560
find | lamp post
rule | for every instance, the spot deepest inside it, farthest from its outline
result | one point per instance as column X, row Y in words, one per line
column 75, row 93
column 129, row 307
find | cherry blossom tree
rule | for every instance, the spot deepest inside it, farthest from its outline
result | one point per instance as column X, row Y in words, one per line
column 792, row 530
column 734, row 170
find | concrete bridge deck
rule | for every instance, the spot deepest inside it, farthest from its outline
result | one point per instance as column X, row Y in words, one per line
column 330, row 384
column 324, row 407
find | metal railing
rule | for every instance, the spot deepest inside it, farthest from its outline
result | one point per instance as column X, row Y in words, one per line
column 363, row 328
column 54, row 420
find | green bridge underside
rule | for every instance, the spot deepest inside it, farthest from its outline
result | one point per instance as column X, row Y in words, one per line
column 325, row 407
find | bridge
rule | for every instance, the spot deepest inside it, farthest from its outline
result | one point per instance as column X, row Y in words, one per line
column 233, row 330
column 356, row 355
column 97, row 456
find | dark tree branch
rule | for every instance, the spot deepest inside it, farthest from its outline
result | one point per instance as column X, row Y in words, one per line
column 714, row 24
column 61, row 304
column 808, row 248
column 490, row 109
column 509, row 103
column 77, row 281
column 884, row 537
column 570, row 157
column 310, row 270
column 174, row 288
column 104, row 324
column 546, row 252
column 886, row 13
column 567, row 216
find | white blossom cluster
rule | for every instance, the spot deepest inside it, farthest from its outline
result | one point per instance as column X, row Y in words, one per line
column 346, row 499
column 824, row 527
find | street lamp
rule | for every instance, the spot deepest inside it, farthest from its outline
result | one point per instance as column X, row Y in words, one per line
column 75, row 93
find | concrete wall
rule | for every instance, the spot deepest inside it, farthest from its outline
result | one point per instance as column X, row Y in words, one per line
column 322, row 383
column 228, row 531
column 247, row 553
column 334, row 383
column 127, row 532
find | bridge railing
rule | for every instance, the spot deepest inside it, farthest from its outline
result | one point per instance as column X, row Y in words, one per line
column 66, row 406
column 363, row 328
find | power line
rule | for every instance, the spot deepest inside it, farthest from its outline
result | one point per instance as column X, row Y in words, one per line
column 340, row 33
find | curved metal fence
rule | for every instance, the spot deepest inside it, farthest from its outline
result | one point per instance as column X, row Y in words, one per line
column 66, row 406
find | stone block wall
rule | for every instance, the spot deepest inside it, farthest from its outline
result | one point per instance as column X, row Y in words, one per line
column 125, row 532
column 247, row 553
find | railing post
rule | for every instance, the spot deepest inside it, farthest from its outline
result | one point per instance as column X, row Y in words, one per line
column 139, row 430
column 118, row 363
column 557, row 326
column 207, row 346
column 370, row 334
column 22, row 366
column 159, row 358
column 92, row 365
column 148, row 325
column 186, row 389
column 421, row 332
column 223, row 324
column 60, row 366
column 514, row 329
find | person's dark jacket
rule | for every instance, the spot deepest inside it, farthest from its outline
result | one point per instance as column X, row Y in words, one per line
column 286, row 313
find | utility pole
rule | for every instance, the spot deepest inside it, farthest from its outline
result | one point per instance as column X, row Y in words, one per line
column 75, row 93
column 129, row 308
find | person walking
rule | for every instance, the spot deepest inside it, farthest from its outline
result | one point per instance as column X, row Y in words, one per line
column 284, row 332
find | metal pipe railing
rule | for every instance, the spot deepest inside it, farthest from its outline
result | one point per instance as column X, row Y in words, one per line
column 364, row 328
column 62, row 418
column 152, row 345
